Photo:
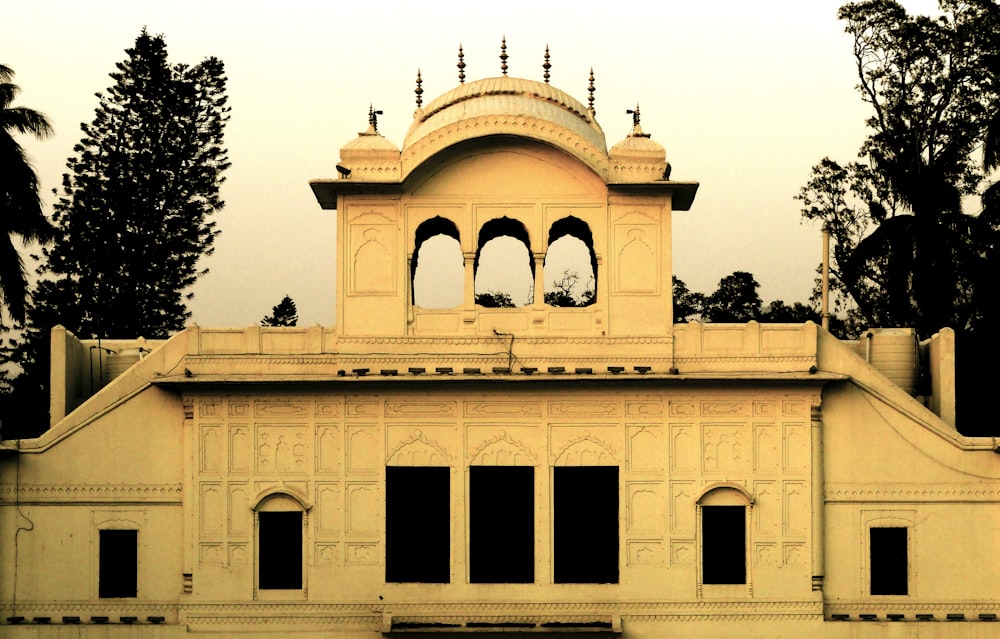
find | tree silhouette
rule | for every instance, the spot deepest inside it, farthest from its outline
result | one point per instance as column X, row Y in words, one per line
column 904, row 248
column 133, row 217
column 283, row 314
column 20, row 206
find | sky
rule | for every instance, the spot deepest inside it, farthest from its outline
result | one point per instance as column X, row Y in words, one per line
column 745, row 96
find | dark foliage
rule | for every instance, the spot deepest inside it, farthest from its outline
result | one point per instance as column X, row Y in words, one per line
column 283, row 314
column 20, row 206
column 562, row 293
column 494, row 299
column 905, row 250
column 736, row 300
column 133, row 217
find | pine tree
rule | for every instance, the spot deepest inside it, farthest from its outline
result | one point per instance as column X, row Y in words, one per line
column 284, row 314
column 133, row 217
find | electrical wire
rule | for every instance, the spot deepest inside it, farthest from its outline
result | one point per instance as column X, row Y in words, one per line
column 20, row 528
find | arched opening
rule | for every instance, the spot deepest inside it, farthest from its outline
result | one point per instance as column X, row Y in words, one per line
column 280, row 524
column 504, row 268
column 437, row 270
column 570, row 264
column 724, row 535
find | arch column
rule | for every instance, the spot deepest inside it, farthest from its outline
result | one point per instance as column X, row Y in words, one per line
column 469, row 289
column 538, row 299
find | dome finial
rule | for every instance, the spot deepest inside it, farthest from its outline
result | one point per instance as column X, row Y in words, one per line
column 461, row 64
column 373, row 118
column 590, row 94
column 503, row 56
column 546, row 65
column 635, row 115
column 636, row 131
column 419, row 90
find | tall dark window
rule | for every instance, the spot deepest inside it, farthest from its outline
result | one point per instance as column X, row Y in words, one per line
column 723, row 545
column 417, row 524
column 585, row 524
column 119, row 563
column 280, row 550
column 501, row 524
column 888, row 561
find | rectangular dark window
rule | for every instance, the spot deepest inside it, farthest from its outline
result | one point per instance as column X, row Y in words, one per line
column 280, row 550
column 502, row 524
column 418, row 524
column 888, row 561
column 723, row 545
column 119, row 563
column 585, row 524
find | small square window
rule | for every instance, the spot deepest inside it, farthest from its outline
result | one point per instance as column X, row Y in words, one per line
column 585, row 524
column 280, row 550
column 417, row 524
column 888, row 561
column 501, row 524
column 119, row 563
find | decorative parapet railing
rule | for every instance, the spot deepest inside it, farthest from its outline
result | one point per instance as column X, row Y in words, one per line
column 745, row 348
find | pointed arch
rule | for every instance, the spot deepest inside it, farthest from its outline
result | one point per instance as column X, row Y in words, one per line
column 443, row 245
column 573, row 242
column 500, row 261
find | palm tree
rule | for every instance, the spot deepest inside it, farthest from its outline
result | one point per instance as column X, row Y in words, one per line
column 20, row 207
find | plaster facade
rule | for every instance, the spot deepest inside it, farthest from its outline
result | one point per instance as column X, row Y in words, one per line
column 586, row 470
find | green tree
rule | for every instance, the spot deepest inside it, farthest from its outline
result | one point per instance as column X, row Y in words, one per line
column 133, row 217
column 735, row 300
column 20, row 206
column 284, row 314
column 904, row 248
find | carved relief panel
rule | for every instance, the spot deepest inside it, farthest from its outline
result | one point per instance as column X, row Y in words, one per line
column 636, row 253
column 758, row 442
column 372, row 254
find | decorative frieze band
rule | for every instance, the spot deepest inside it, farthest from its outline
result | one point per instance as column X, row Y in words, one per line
column 116, row 493
column 880, row 493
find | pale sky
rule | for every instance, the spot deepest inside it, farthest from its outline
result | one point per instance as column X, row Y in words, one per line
column 745, row 96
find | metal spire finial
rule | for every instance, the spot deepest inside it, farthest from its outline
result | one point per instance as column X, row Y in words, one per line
column 419, row 90
column 373, row 117
column 635, row 115
column 503, row 56
column 590, row 94
column 461, row 65
column 546, row 65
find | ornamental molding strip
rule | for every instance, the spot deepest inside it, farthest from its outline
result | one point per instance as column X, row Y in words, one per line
column 903, row 493
column 113, row 493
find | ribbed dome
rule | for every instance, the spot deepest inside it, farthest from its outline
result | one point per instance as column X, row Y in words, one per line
column 506, row 106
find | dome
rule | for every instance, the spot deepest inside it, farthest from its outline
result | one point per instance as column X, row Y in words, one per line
column 370, row 140
column 637, row 158
column 506, row 106
column 371, row 157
